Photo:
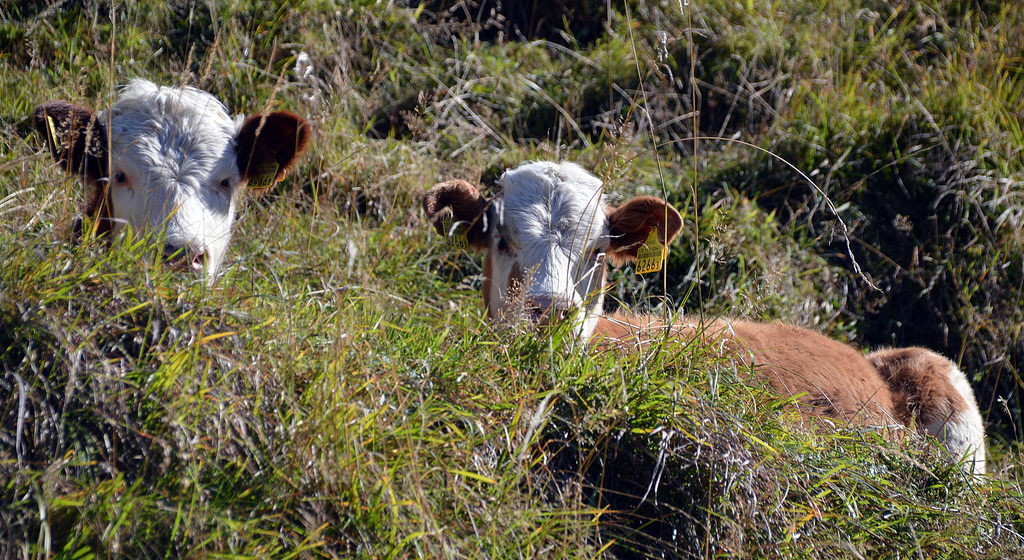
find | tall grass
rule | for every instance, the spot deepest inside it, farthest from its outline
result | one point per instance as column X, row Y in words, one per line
column 339, row 392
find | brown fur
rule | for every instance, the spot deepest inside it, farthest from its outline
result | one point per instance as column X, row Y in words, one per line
column 632, row 222
column 515, row 280
column 827, row 378
column 625, row 332
column 919, row 384
column 80, row 147
column 467, row 205
column 279, row 137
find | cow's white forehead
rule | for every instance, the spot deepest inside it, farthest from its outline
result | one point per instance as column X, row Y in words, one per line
column 175, row 104
column 546, row 204
column 186, row 128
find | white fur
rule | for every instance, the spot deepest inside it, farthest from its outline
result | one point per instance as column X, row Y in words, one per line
column 551, row 216
column 175, row 151
column 964, row 433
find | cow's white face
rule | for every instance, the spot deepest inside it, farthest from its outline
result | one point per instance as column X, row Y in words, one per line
column 171, row 162
column 174, row 170
column 546, row 258
column 547, row 235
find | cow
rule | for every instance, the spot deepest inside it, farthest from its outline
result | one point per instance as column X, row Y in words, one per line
column 172, row 162
column 547, row 236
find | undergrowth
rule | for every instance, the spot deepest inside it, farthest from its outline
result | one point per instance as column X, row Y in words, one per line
column 339, row 392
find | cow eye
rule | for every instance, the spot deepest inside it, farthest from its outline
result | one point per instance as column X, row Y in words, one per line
column 503, row 246
column 225, row 184
column 120, row 177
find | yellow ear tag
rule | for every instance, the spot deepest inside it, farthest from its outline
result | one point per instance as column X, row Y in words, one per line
column 454, row 239
column 652, row 255
column 265, row 175
column 53, row 132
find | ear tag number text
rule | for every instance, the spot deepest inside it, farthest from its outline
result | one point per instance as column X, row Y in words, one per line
column 651, row 255
column 265, row 175
column 454, row 239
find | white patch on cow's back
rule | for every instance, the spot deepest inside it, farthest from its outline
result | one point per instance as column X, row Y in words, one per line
column 965, row 432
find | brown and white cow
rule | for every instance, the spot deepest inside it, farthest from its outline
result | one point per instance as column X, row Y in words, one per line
column 170, row 161
column 547, row 235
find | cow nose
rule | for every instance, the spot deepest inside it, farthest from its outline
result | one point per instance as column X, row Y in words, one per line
column 547, row 310
column 185, row 256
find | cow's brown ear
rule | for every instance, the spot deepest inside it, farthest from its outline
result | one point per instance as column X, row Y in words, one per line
column 467, row 206
column 76, row 138
column 268, row 145
column 631, row 223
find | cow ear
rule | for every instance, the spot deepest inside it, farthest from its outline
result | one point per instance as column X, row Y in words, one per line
column 631, row 223
column 268, row 145
column 75, row 136
column 467, row 206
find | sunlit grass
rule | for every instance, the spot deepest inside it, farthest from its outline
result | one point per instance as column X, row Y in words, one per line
column 339, row 392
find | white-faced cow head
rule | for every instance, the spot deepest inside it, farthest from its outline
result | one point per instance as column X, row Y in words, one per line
column 172, row 162
column 547, row 235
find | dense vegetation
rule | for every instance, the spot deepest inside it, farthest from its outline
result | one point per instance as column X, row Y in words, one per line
column 854, row 166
